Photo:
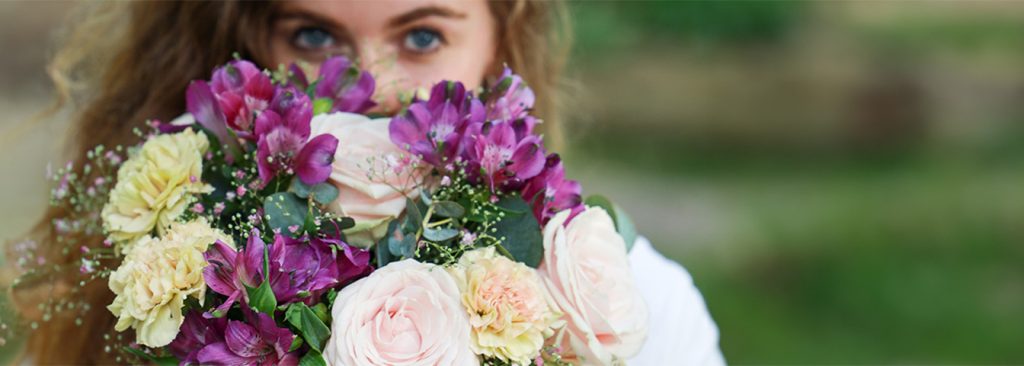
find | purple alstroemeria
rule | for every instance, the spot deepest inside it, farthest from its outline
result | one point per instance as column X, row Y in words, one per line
column 499, row 158
column 549, row 192
column 256, row 341
column 434, row 129
column 203, row 105
column 243, row 91
column 282, row 132
column 196, row 332
column 349, row 88
column 300, row 269
column 510, row 99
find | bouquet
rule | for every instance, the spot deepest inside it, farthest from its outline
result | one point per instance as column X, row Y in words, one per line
column 277, row 223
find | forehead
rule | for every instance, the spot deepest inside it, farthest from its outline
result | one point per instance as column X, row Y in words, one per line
column 360, row 16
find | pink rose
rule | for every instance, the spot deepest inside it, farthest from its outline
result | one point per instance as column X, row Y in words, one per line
column 586, row 270
column 373, row 175
column 406, row 313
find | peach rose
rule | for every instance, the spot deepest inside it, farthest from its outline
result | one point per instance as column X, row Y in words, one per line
column 586, row 271
column 372, row 181
column 406, row 313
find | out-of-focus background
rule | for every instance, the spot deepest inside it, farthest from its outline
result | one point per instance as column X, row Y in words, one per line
column 844, row 180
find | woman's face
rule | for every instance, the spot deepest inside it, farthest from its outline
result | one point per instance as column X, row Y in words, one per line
column 406, row 44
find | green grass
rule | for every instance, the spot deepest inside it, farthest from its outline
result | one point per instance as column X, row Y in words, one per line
column 911, row 257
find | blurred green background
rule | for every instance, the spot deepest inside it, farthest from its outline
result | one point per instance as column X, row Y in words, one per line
column 842, row 179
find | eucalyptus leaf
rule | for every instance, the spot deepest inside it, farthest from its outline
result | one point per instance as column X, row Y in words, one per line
column 283, row 210
column 449, row 209
column 383, row 249
column 309, row 326
column 324, row 193
column 262, row 298
column 403, row 246
column 439, row 235
column 521, row 231
column 299, row 188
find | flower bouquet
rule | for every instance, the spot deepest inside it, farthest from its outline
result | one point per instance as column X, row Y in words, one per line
column 276, row 223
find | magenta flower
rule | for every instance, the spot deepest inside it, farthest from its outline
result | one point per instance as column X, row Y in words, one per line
column 434, row 129
column 242, row 91
column 300, row 269
column 510, row 99
column 549, row 192
column 256, row 341
column 196, row 332
column 282, row 133
column 349, row 88
column 497, row 157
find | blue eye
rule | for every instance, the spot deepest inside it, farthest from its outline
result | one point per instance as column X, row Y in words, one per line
column 311, row 38
column 422, row 40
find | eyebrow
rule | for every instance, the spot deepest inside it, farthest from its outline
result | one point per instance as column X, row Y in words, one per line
column 423, row 12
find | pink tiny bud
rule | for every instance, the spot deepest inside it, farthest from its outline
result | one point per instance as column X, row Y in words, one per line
column 239, row 174
column 293, row 228
column 446, row 181
column 230, row 196
column 84, row 249
column 193, row 179
column 218, row 208
column 494, row 199
column 240, row 191
column 208, row 156
column 198, row 208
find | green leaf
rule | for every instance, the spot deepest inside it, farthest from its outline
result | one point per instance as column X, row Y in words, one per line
column 296, row 343
column 321, row 312
column 402, row 246
column 439, row 235
column 449, row 209
column 262, row 298
column 309, row 326
column 312, row 358
column 324, row 193
column 521, row 231
column 283, row 210
column 413, row 214
column 322, row 105
column 383, row 249
column 299, row 188
column 162, row 361
column 623, row 223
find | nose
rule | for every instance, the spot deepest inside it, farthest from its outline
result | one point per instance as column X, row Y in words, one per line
column 383, row 65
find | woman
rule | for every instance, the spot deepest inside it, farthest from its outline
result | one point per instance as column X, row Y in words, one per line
column 128, row 62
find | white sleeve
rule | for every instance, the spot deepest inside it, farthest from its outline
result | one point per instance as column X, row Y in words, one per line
column 681, row 331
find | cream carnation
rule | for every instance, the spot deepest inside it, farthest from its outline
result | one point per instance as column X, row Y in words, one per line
column 372, row 181
column 507, row 305
column 586, row 271
column 155, row 278
column 406, row 313
column 155, row 186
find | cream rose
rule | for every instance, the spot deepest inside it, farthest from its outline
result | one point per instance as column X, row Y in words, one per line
column 372, row 184
column 586, row 270
column 507, row 305
column 155, row 278
column 406, row 313
column 155, row 186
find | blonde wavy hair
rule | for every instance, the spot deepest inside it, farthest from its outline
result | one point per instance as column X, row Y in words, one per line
column 122, row 63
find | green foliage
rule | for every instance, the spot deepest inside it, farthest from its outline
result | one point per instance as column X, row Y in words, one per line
column 520, row 232
column 313, row 330
column 261, row 298
column 322, row 105
column 312, row 358
column 284, row 210
column 323, row 193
